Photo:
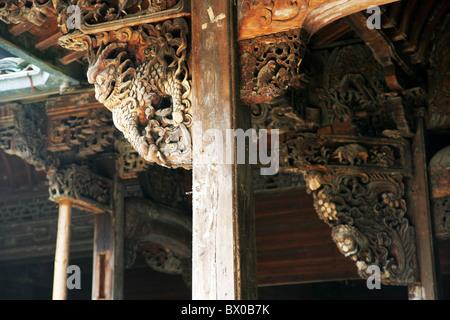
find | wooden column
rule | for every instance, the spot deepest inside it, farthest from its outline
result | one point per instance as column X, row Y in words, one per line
column 420, row 213
column 62, row 251
column 107, row 276
column 224, row 257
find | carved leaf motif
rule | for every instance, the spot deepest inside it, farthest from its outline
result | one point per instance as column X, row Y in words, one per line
column 367, row 214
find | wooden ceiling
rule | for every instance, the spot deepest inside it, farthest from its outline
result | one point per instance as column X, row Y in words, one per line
column 409, row 24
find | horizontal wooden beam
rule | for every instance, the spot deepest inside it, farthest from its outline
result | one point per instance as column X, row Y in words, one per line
column 258, row 18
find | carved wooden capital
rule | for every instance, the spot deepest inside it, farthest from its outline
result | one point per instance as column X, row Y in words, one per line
column 141, row 75
column 270, row 65
column 367, row 214
column 85, row 190
column 358, row 190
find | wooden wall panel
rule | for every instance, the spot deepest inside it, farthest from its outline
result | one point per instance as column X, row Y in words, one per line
column 293, row 244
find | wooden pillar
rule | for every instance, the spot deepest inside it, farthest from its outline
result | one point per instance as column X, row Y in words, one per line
column 62, row 251
column 224, row 257
column 421, row 216
column 107, row 276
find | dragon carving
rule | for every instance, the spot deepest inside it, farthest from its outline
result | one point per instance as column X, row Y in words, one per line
column 141, row 75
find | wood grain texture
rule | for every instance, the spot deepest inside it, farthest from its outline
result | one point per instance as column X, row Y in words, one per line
column 293, row 244
column 257, row 18
column 223, row 224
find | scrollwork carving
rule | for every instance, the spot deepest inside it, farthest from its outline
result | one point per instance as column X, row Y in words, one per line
column 84, row 189
column 306, row 151
column 141, row 75
column 270, row 65
column 98, row 12
column 367, row 214
column 18, row 11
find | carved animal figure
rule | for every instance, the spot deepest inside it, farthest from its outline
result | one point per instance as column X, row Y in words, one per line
column 148, row 102
column 351, row 154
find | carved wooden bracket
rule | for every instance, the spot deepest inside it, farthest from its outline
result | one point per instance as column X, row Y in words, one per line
column 141, row 75
column 367, row 214
column 270, row 65
column 26, row 137
column 85, row 190
column 358, row 190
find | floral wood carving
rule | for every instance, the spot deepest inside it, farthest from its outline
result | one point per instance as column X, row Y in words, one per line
column 110, row 14
column 141, row 75
column 270, row 65
column 358, row 190
column 367, row 214
column 307, row 151
column 348, row 83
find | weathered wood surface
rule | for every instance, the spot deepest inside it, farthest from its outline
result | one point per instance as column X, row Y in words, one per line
column 108, row 251
column 62, row 251
column 257, row 18
column 293, row 245
column 421, row 216
column 223, row 256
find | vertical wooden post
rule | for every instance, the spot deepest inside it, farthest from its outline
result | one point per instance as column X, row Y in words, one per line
column 62, row 251
column 420, row 214
column 224, row 257
column 107, row 276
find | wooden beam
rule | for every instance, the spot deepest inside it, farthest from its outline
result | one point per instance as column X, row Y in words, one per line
column 419, row 209
column 62, row 251
column 258, row 18
column 224, row 258
column 107, row 277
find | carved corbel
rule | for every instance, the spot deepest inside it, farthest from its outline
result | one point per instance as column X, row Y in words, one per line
column 367, row 214
column 358, row 190
column 85, row 190
column 271, row 64
column 141, row 75
column 28, row 139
